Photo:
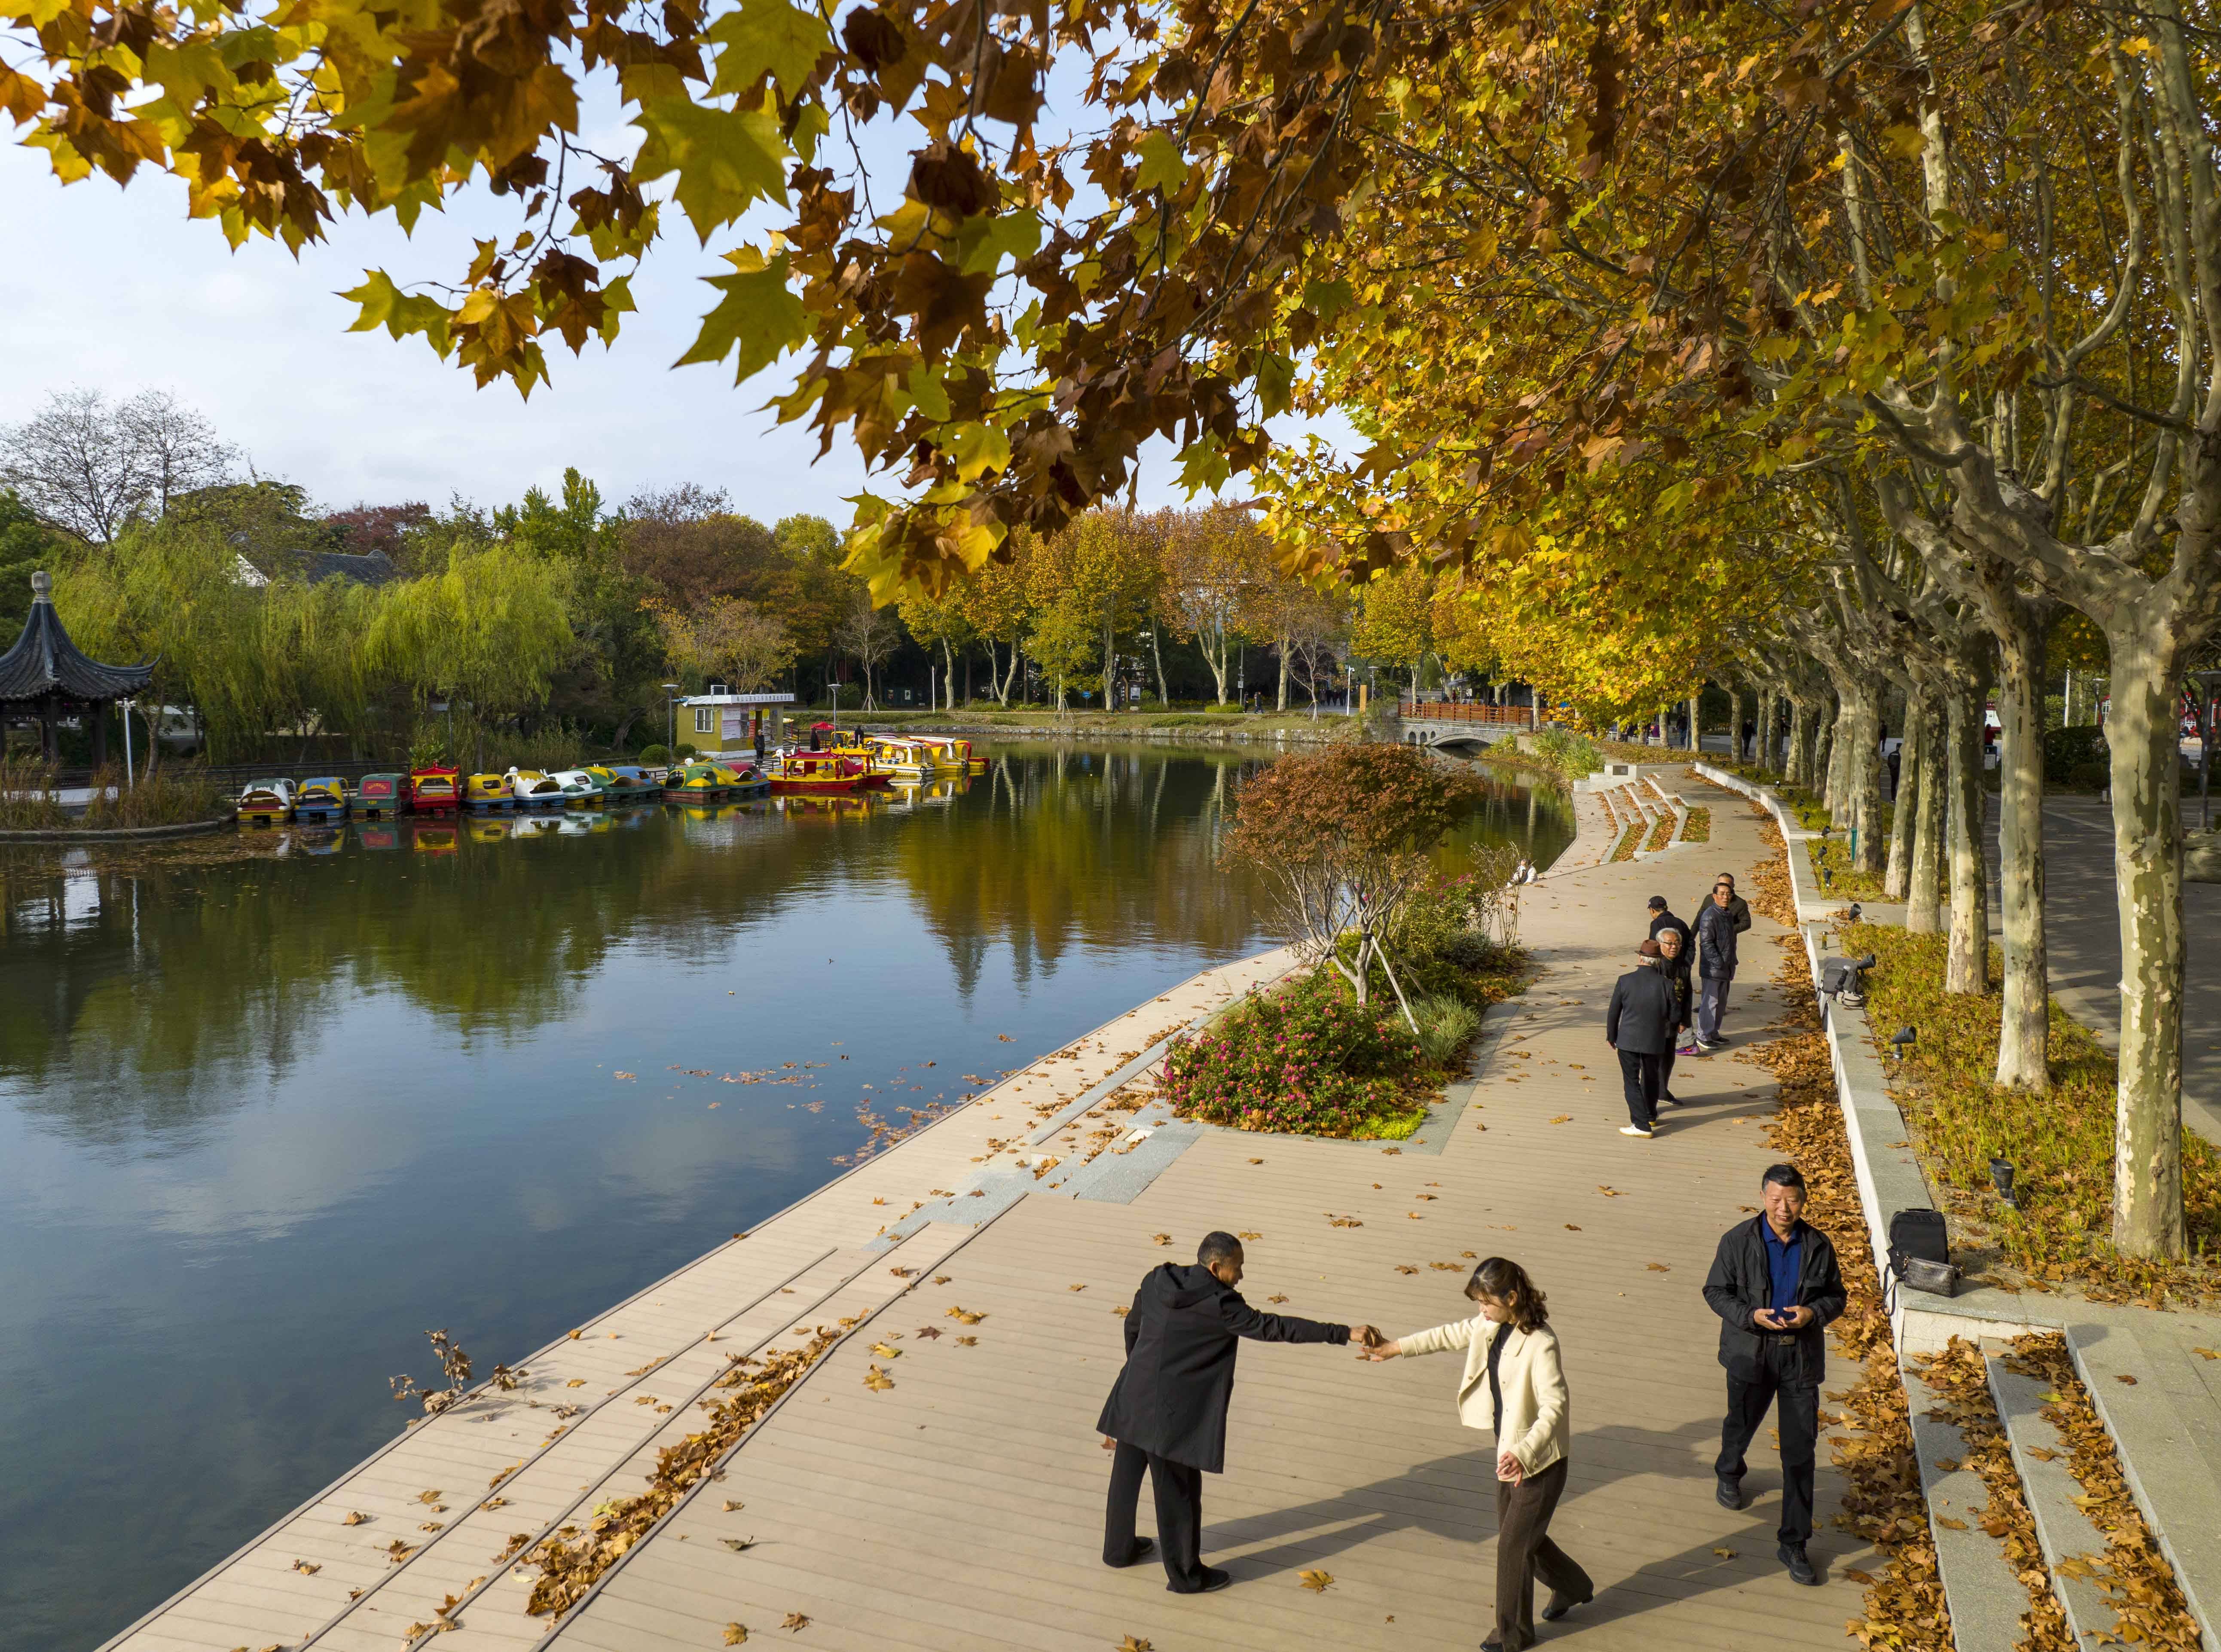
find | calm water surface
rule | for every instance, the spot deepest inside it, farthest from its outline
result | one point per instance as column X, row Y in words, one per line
column 272, row 1106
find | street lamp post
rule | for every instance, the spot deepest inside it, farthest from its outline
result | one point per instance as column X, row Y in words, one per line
column 671, row 703
column 129, row 777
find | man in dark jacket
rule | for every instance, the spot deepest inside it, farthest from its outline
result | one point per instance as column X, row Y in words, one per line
column 1717, row 930
column 1775, row 1286
column 1168, row 1410
column 1638, row 1024
column 1674, row 958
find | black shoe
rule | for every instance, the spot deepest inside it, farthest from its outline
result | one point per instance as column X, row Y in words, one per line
column 1214, row 1578
column 1143, row 1547
column 1560, row 1605
column 1729, row 1494
column 1801, row 1568
column 1676, row 1100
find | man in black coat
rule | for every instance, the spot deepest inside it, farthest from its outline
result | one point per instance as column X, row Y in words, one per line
column 1717, row 929
column 1168, row 1410
column 1775, row 1286
column 1674, row 958
column 1638, row 1024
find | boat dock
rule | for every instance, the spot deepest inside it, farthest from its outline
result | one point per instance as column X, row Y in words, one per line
column 931, row 1479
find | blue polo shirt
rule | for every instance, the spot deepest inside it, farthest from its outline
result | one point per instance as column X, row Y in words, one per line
column 1785, row 1261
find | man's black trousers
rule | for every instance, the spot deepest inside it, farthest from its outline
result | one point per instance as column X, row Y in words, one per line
column 1643, row 1074
column 1797, row 1404
column 1179, row 1493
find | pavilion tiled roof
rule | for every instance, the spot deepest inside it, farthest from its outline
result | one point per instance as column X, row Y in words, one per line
column 45, row 662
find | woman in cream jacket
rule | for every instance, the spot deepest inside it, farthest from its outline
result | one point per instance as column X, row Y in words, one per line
column 1515, row 1386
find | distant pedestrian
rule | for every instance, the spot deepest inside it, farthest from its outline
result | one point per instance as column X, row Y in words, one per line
column 1638, row 1025
column 1715, row 962
column 1674, row 962
column 1168, row 1410
column 1775, row 1286
column 1514, row 1384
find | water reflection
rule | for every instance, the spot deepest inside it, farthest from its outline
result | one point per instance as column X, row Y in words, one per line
column 270, row 1104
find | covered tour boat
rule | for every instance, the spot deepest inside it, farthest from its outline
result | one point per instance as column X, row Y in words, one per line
column 534, row 790
column 321, row 799
column 435, row 789
column 265, row 802
column 381, row 797
column 488, row 794
column 815, row 773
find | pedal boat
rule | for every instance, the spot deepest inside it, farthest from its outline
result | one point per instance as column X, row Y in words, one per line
column 435, row 789
column 380, row 797
column 321, row 799
column 265, row 802
column 488, row 794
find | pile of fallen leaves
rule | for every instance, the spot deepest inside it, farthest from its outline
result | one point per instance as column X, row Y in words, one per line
column 2138, row 1580
column 1881, row 1501
column 1630, row 841
column 1960, row 1379
column 1770, row 891
column 1662, row 832
column 1698, row 828
column 2062, row 1149
column 571, row 1559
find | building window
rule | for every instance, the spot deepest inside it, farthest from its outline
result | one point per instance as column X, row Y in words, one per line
column 705, row 719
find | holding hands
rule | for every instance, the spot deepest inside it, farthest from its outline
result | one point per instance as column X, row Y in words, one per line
column 1781, row 1319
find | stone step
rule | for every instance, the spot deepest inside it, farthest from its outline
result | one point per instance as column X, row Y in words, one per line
column 1986, row 1600
column 2143, row 1384
column 2067, row 1538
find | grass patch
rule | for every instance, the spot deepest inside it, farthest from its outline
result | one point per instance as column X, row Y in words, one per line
column 1698, row 828
column 28, row 798
column 166, row 797
column 1629, row 841
column 2061, row 1144
column 1662, row 832
column 1832, row 856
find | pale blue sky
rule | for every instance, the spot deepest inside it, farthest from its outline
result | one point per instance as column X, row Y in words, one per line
column 120, row 290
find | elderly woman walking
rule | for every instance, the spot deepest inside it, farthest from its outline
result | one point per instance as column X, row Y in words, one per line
column 1515, row 1386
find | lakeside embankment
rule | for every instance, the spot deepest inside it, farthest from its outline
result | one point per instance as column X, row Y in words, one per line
column 925, row 1474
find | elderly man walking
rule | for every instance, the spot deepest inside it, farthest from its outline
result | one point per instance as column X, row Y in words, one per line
column 1775, row 1286
column 1168, row 1410
column 1638, row 1026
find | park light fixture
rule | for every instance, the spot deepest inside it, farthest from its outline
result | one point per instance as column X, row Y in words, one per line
column 1902, row 1041
column 1828, row 876
column 1855, row 910
column 2001, row 1177
column 671, row 704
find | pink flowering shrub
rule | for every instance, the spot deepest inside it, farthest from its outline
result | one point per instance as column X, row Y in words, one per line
column 1309, row 1060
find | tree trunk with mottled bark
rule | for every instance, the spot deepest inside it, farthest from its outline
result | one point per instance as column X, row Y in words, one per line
column 2026, row 1018
column 1904, row 829
column 1966, row 961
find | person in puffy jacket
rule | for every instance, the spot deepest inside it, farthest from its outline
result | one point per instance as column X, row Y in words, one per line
column 1717, row 929
column 1167, row 1411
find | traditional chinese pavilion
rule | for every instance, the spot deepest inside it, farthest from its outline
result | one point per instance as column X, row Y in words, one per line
column 46, row 678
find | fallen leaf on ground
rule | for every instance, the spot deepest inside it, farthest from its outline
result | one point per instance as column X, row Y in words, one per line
column 307, row 1568
column 965, row 1314
column 1249, row 1233
column 902, row 1272
column 1405, row 1267
column 1948, row 1465
column 429, row 1497
column 1573, row 1227
column 1657, row 1267
column 732, row 1507
column 884, row 1352
column 1257, row 1162
column 738, row 1545
column 2041, row 1454
column 878, row 1381
column 967, row 1342
column 1276, row 1299
column 576, row 1382
column 355, row 1518
column 2207, row 1353
column 1725, row 1554
column 735, row 1634
column 928, row 1331
column 795, row 1620
column 2122, row 1376
column 1610, row 1192
column 1563, row 1119
column 1950, row 1525
column 1122, row 1312
column 941, row 1279
column 1857, row 1576
column 1161, row 1238
column 1317, row 1581
column 1075, row 1287
column 1134, row 1643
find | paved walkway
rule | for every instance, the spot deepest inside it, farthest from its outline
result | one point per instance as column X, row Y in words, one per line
column 961, row 1507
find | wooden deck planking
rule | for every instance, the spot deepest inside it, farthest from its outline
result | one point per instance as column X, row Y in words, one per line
column 980, row 1527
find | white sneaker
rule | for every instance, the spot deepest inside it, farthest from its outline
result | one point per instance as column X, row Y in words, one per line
column 1635, row 1129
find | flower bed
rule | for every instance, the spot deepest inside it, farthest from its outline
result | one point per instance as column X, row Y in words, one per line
column 1308, row 1060
column 2061, row 1144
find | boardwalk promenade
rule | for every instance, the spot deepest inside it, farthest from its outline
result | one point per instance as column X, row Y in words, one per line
column 934, row 1482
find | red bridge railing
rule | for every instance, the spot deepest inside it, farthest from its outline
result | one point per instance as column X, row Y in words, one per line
column 1464, row 711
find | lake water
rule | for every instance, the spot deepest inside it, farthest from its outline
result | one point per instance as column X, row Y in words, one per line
column 272, row 1106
